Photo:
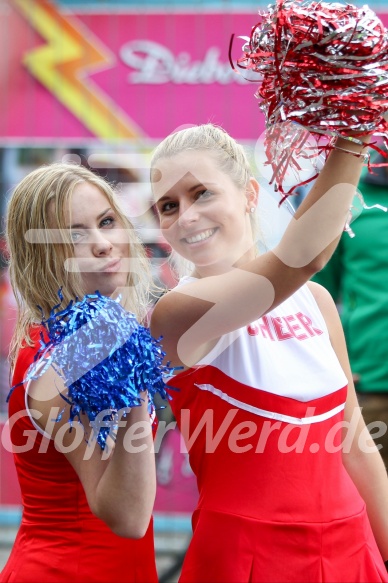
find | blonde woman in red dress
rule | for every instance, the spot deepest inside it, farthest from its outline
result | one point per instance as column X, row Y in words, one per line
column 286, row 492
column 86, row 515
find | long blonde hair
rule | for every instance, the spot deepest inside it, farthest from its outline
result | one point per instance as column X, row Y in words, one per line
column 37, row 271
column 230, row 156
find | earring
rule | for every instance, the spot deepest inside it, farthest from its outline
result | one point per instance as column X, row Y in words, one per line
column 252, row 209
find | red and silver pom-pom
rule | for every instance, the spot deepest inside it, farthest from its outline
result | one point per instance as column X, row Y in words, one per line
column 322, row 65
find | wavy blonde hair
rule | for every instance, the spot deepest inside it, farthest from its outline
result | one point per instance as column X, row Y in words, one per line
column 230, row 156
column 37, row 271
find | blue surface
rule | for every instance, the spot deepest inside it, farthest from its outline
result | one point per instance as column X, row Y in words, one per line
column 163, row 522
column 10, row 515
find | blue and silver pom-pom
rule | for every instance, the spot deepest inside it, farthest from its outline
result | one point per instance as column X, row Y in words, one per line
column 105, row 358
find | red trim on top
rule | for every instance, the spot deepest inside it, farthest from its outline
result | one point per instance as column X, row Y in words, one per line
column 255, row 397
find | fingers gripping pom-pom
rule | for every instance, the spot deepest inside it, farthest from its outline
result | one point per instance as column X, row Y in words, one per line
column 105, row 358
column 322, row 65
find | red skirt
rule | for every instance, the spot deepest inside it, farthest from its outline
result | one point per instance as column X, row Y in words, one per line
column 233, row 549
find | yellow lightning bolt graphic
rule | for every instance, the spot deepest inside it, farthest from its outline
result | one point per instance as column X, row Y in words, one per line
column 62, row 66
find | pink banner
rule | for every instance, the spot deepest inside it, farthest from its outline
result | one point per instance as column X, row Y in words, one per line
column 121, row 75
column 177, row 486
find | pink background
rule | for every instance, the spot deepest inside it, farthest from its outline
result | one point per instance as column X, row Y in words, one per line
column 33, row 112
column 158, row 109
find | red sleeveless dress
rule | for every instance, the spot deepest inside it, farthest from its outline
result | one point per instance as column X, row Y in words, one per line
column 59, row 539
column 261, row 416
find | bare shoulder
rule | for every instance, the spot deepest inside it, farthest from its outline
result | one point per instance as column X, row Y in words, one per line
column 178, row 318
column 166, row 312
column 328, row 309
column 169, row 321
column 178, row 310
column 323, row 298
column 161, row 310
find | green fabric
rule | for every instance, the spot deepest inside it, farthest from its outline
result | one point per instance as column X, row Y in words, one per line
column 357, row 278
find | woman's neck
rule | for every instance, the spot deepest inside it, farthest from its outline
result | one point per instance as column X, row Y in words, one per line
column 224, row 266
